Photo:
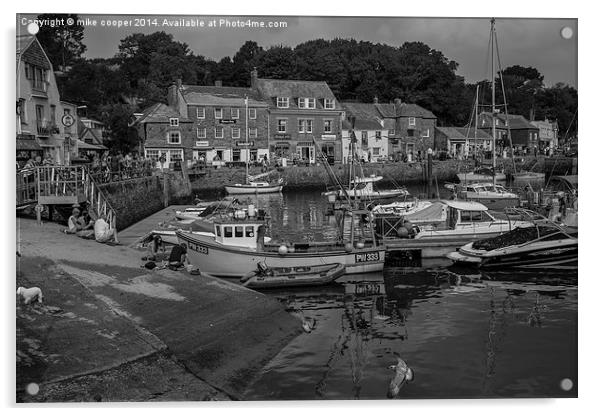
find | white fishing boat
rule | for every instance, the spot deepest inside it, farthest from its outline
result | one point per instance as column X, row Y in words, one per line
column 541, row 245
column 402, row 207
column 424, row 238
column 494, row 196
column 239, row 244
column 362, row 188
column 207, row 209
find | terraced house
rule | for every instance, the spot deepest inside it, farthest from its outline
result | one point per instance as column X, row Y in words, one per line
column 371, row 130
column 39, row 108
column 302, row 114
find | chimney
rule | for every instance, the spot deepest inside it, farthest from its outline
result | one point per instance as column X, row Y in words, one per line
column 254, row 76
column 375, row 99
column 218, row 83
column 172, row 96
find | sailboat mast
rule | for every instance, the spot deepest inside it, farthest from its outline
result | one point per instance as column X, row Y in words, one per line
column 476, row 122
column 247, row 139
column 493, row 90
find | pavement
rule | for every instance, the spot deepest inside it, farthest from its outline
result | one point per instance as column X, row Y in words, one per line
column 111, row 330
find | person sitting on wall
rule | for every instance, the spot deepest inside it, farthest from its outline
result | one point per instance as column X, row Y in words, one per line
column 177, row 257
column 103, row 233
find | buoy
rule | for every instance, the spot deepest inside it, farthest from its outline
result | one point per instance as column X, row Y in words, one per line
column 348, row 247
column 402, row 232
column 282, row 249
column 291, row 249
column 360, row 244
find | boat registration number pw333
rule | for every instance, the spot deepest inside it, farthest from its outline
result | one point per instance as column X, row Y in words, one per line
column 198, row 248
column 367, row 257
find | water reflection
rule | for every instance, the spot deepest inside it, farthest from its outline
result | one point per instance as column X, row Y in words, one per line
column 479, row 335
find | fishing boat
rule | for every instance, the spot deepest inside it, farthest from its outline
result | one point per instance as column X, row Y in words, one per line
column 227, row 204
column 277, row 277
column 239, row 244
column 494, row 196
column 402, row 207
column 424, row 238
column 362, row 188
column 542, row 245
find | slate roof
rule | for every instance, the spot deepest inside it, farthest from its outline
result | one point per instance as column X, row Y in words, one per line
column 159, row 113
column 363, row 124
column 406, row 110
column 462, row 132
column 366, row 116
column 225, row 96
column 29, row 50
column 270, row 89
column 515, row 121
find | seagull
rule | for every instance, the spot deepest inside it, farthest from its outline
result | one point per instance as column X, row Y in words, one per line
column 403, row 373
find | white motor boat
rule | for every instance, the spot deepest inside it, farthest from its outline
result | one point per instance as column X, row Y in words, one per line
column 255, row 188
column 495, row 197
column 402, row 207
column 363, row 189
column 482, row 174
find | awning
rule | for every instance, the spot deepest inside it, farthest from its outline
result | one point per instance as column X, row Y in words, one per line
column 27, row 143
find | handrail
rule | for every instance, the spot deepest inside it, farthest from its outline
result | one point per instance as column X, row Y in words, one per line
column 99, row 202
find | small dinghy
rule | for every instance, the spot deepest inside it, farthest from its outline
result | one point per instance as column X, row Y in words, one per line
column 276, row 277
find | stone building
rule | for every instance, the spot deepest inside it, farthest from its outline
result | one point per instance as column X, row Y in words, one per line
column 39, row 109
column 523, row 134
column 301, row 115
column 548, row 133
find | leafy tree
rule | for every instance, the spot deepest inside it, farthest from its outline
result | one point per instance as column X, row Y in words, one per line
column 63, row 44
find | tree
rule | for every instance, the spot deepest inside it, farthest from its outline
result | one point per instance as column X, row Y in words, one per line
column 63, row 44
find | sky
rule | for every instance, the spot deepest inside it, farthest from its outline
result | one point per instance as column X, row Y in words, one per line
column 527, row 42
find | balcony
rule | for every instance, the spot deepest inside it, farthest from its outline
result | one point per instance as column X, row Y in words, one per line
column 46, row 128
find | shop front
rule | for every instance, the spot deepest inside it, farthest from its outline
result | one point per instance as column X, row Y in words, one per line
column 306, row 152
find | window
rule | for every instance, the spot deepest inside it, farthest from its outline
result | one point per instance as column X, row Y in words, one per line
column 200, row 112
column 426, row 133
column 235, row 132
column 238, row 231
column 364, row 138
column 252, row 113
column 234, row 113
column 391, row 133
column 311, row 103
column 282, row 102
column 253, row 133
column 327, row 126
column 173, row 137
column 218, row 231
column 301, row 102
column 219, row 132
column 152, row 154
column 412, row 121
column 176, row 155
column 249, row 231
column 218, row 113
column 305, row 126
column 282, row 125
column 378, row 135
column 329, row 103
column 306, row 102
column 376, row 151
column 227, row 232
column 411, row 133
column 174, row 122
column 201, row 133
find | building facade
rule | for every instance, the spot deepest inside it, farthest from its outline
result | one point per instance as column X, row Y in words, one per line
column 165, row 135
column 302, row 115
column 39, row 109
column 548, row 133
column 370, row 129
column 462, row 142
column 230, row 124
column 523, row 134
column 414, row 131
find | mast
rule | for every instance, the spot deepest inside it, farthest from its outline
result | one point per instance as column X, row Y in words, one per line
column 247, row 139
column 476, row 122
column 493, row 91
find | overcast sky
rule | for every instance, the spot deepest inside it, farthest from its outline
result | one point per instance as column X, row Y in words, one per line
column 527, row 42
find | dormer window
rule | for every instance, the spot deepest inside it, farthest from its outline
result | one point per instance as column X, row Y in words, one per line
column 412, row 121
column 174, row 122
column 306, row 102
column 329, row 103
column 311, row 103
column 282, row 102
column 301, row 102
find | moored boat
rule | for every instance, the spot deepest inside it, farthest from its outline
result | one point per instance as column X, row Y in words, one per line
column 542, row 245
column 255, row 188
column 495, row 197
column 362, row 189
column 482, row 174
column 277, row 277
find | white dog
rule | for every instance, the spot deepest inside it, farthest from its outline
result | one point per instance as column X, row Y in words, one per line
column 30, row 295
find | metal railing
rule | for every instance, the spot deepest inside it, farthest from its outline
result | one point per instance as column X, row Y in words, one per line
column 60, row 181
column 26, row 187
column 99, row 203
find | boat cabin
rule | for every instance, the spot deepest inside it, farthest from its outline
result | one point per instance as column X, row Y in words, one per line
column 462, row 214
column 239, row 233
column 483, row 188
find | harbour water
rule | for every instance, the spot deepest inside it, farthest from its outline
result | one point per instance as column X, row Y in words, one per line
column 464, row 335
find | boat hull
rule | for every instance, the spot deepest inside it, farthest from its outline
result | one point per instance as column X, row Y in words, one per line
column 244, row 189
column 476, row 177
column 228, row 261
column 560, row 254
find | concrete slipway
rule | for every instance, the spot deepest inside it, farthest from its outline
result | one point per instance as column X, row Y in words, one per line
column 110, row 330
